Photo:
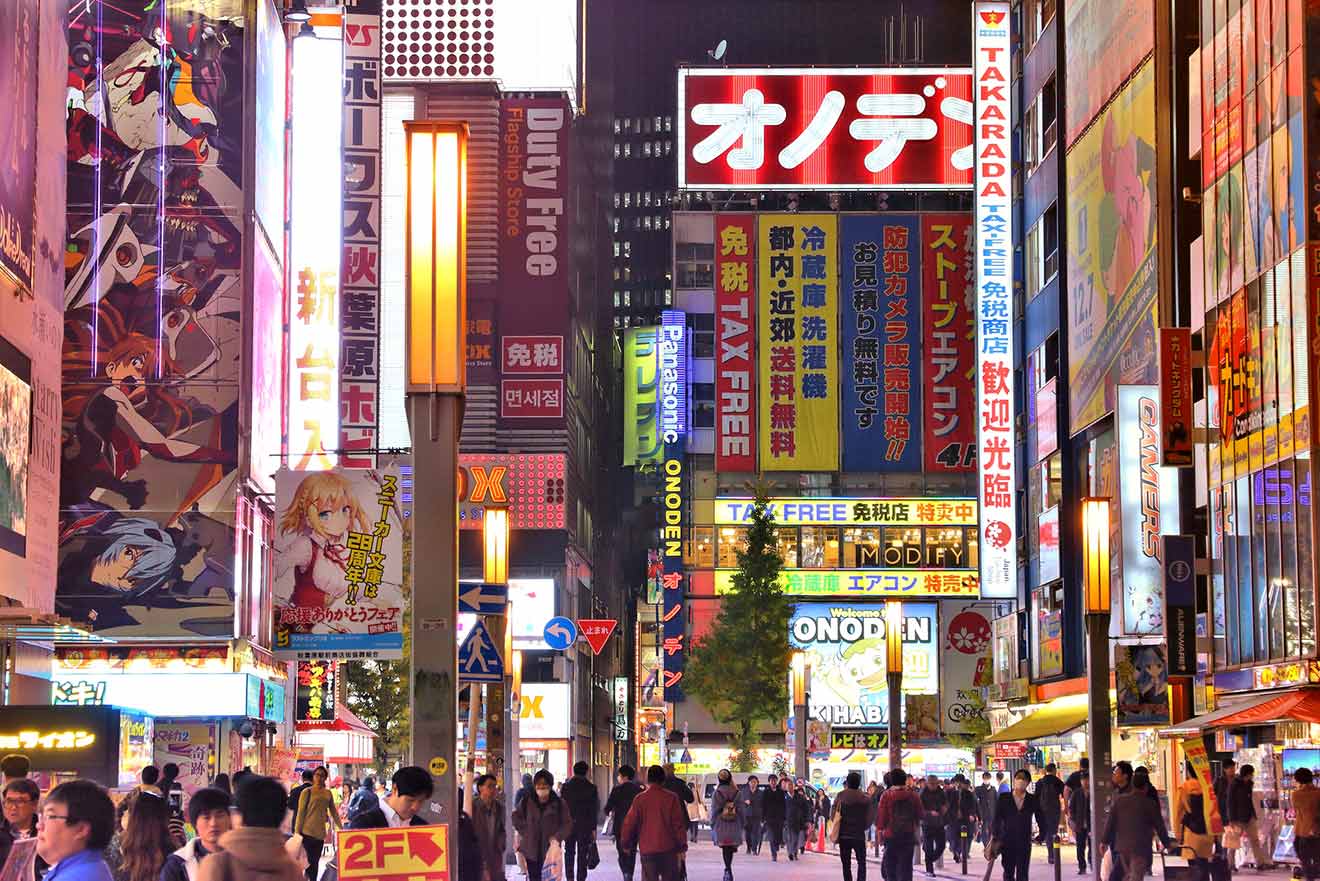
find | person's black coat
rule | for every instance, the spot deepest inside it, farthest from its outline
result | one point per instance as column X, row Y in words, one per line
column 986, row 796
column 753, row 801
column 774, row 809
column 797, row 810
column 375, row 819
column 469, row 850
column 1241, row 806
column 619, row 803
column 583, row 801
column 1049, row 790
column 963, row 808
column 680, row 789
column 934, row 804
column 1012, row 827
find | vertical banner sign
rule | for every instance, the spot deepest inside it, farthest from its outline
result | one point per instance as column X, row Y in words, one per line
column 19, row 47
column 1194, row 749
column 881, row 305
column 735, row 331
column 674, row 618
column 1180, row 603
column 315, row 227
column 1176, row 395
column 534, row 306
column 316, row 691
column 797, row 326
column 359, row 309
column 949, row 353
column 641, row 410
column 673, row 374
column 997, row 482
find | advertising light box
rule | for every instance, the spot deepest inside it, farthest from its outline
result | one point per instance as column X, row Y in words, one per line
column 867, row 583
column 852, row 512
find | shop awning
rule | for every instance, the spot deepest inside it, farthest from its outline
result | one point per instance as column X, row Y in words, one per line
column 1302, row 705
column 1059, row 716
column 1215, row 718
column 345, row 720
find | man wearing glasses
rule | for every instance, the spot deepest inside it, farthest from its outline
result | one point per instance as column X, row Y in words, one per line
column 73, row 830
column 20, row 804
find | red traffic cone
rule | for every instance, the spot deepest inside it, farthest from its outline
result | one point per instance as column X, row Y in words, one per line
column 820, row 841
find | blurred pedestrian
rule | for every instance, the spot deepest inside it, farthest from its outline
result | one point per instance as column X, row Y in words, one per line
column 208, row 813
column 934, row 805
column 696, row 811
column 221, row 782
column 255, row 850
column 753, row 804
column 1133, row 821
column 363, row 799
column 1242, row 816
column 897, row 818
column 1306, row 824
column 1189, row 812
column 14, row 766
column 584, row 805
column 1012, row 829
column 1049, row 792
column 1079, row 821
column 656, row 827
column 137, row 852
column 986, row 796
column 856, row 813
column 726, row 819
column 774, row 809
column 616, row 808
column 797, row 813
column 315, row 819
column 77, row 822
column 488, row 826
column 543, row 821
column 960, row 821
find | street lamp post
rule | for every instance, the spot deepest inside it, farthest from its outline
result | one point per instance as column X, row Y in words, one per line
column 499, row 719
column 894, row 679
column 436, row 374
column 800, row 674
column 1095, row 585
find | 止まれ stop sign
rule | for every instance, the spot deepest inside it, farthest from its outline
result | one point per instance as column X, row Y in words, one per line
column 597, row 631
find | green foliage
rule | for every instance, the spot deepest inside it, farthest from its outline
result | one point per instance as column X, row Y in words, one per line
column 739, row 671
column 378, row 695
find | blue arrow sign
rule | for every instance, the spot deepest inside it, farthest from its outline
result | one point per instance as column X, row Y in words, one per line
column 478, row 659
column 483, row 599
column 560, row 633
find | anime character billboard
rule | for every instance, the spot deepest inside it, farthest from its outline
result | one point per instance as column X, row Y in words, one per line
column 339, row 564
column 152, row 300
column 1142, row 679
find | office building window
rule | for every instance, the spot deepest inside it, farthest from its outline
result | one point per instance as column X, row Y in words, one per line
column 731, row 540
column 820, row 547
column 700, row 550
column 1042, row 251
column 1036, row 15
column 695, row 263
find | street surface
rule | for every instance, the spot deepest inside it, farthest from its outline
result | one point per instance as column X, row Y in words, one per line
column 706, row 864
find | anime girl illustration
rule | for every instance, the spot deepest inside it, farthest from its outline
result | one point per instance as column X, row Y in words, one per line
column 1143, row 685
column 312, row 552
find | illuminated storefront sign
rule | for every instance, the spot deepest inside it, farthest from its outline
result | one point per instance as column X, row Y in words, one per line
column 641, row 409
column 948, row 377
column 852, row 512
column 735, row 341
column 868, row 583
column 672, row 580
column 845, row 646
column 315, row 231
column 824, row 128
column 673, row 373
column 316, row 691
column 997, row 483
column 619, row 693
column 173, row 695
column 530, row 485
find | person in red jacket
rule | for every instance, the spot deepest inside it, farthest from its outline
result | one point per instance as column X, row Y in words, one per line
column 656, row 826
column 896, row 825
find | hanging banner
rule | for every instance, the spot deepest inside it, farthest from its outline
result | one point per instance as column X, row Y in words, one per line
column 966, row 664
column 19, row 44
column 997, row 483
column 1142, row 682
column 1176, row 395
column 316, row 691
column 1194, row 749
column 338, row 591
column 797, row 325
column 735, row 343
column 1180, row 603
column 191, row 746
column 948, row 356
column 880, row 257
column 672, row 580
column 641, row 422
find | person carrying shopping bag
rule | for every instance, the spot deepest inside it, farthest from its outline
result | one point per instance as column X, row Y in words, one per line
column 543, row 821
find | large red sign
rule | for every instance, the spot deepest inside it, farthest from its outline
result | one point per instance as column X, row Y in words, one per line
column 949, row 375
column 735, row 333
column 825, row 128
column 597, row 631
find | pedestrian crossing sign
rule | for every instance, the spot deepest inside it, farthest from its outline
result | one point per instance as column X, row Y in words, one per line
column 478, row 658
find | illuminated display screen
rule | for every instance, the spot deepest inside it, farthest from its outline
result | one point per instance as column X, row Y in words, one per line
column 531, row 486
column 853, row 512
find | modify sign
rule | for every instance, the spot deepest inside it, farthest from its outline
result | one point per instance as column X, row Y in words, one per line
column 410, row 854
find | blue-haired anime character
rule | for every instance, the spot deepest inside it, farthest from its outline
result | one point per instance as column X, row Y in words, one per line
column 109, row 561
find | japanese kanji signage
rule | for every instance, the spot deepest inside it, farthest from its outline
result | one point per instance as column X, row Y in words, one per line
column 825, row 128
column 672, row 581
column 735, row 342
column 534, row 308
column 314, row 256
column 316, row 691
column 867, row 583
column 359, row 314
column 997, row 480
column 852, row 512
column 881, row 258
column 338, row 591
column 949, row 353
column 1176, row 395
column 799, row 345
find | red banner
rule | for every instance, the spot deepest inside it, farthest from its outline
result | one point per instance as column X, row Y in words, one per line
column 1176, row 395
column 949, row 326
column 735, row 330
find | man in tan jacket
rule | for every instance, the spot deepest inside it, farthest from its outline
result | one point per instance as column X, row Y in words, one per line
column 255, row 850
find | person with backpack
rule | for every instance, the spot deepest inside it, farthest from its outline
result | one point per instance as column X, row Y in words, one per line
column 855, row 813
column 961, row 819
column 294, row 794
column 616, row 808
column 656, row 827
column 363, row 799
column 934, row 805
column 896, row 826
column 1079, row 820
column 726, row 819
column 1012, row 829
column 1189, row 812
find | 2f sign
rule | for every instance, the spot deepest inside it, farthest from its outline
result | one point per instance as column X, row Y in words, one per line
column 418, row 852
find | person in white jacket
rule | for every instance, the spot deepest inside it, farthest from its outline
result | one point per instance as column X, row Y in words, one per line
column 208, row 812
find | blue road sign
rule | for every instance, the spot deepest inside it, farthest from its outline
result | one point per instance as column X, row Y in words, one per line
column 483, row 599
column 478, row 659
column 560, row 633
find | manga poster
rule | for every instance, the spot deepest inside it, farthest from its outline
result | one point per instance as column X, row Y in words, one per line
column 152, row 316
column 1143, row 685
column 338, row 564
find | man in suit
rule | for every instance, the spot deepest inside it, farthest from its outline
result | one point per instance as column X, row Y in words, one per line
column 411, row 789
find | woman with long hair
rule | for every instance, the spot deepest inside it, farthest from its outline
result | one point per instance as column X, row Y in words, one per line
column 142, row 843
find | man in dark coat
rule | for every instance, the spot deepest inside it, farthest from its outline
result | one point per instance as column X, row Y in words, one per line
column 934, row 805
column 488, row 825
column 584, row 804
column 1049, row 792
column 961, row 817
column 774, row 810
column 986, row 796
column 617, row 807
column 753, row 802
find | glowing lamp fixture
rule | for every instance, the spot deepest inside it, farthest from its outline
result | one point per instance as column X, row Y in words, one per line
column 495, row 529
column 436, row 254
column 1095, row 554
column 894, row 636
column 799, row 673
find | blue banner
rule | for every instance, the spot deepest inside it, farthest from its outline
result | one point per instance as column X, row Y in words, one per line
column 880, row 289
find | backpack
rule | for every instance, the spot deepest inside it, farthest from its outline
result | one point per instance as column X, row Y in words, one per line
column 362, row 801
column 903, row 818
column 1193, row 819
column 730, row 810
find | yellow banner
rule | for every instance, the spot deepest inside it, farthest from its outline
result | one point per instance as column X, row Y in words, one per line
column 413, row 853
column 641, row 427
column 1194, row 749
column 852, row 512
column 868, row 583
column 798, row 341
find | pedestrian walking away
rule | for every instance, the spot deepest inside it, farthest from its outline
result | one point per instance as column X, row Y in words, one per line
column 1011, row 835
column 960, row 821
column 934, row 805
column 140, row 847
column 986, row 796
column 488, row 827
column 543, row 822
column 616, row 808
column 584, row 805
column 1133, row 820
column 410, row 789
column 1242, row 819
column 1079, row 821
column 753, row 800
column 315, row 819
column 1049, row 792
column 1195, row 819
column 685, row 796
column 255, row 850
column 854, row 812
column 696, row 811
column 1306, row 822
column 774, row 810
column 656, row 827
column 363, row 799
column 726, row 819
column 897, row 818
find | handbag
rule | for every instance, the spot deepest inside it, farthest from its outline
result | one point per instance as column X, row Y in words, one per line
column 1233, row 837
column 593, row 854
column 552, row 869
column 832, row 833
